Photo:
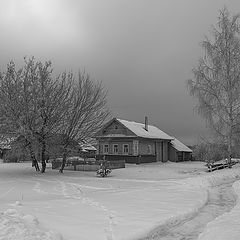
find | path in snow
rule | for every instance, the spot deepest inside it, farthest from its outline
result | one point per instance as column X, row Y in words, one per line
column 221, row 199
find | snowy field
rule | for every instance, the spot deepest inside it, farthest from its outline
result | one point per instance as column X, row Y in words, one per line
column 128, row 204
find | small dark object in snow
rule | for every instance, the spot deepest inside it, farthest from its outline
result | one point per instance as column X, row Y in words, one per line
column 103, row 170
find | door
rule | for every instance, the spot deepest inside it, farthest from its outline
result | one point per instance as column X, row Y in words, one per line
column 159, row 151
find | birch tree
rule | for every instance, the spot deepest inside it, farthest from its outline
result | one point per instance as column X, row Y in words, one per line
column 216, row 82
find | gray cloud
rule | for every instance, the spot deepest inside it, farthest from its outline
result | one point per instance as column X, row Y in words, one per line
column 142, row 50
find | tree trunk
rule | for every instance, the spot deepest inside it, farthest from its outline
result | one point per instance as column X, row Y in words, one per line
column 230, row 134
column 34, row 160
column 32, row 155
column 229, row 150
column 43, row 160
column 63, row 161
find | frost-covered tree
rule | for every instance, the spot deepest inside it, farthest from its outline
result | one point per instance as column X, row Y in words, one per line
column 32, row 105
column 14, row 102
column 209, row 151
column 86, row 114
column 43, row 111
column 216, row 82
column 52, row 102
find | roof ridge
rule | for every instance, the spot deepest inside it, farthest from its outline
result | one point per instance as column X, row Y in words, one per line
column 139, row 130
column 136, row 122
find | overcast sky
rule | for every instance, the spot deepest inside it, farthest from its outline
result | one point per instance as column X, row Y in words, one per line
column 142, row 50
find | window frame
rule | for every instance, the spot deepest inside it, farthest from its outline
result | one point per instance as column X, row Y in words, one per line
column 128, row 152
column 114, row 149
column 104, row 148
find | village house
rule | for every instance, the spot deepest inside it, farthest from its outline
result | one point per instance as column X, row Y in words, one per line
column 133, row 142
column 138, row 143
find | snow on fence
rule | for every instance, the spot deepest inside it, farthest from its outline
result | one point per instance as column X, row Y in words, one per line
column 89, row 164
column 220, row 165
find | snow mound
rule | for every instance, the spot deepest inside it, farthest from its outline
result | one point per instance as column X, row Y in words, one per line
column 31, row 220
column 11, row 212
column 14, row 225
column 17, row 203
column 213, row 178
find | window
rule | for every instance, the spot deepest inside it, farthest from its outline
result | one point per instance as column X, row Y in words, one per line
column 99, row 149
column 149, row 149
column 106, row 148
column 116, row 127
column 125, row 149
column 115, row 148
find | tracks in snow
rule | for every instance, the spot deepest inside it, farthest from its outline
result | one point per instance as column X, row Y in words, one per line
column 221, row 199
column 77, row 193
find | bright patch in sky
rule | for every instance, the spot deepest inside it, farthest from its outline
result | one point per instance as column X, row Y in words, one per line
column 40, row 21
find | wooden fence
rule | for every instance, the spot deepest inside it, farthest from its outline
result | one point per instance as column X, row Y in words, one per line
column 85, row 165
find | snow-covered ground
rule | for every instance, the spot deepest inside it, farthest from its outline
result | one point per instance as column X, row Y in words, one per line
column 128, row 204
column 227, row 226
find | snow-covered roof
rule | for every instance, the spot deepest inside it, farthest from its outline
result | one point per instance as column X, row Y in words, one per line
column 179, row 146
column 88, row 147
column 139, row 129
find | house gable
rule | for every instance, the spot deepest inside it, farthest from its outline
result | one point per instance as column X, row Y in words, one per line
column 115, row 128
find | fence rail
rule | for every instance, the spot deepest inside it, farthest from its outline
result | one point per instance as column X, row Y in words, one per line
column 86, row 165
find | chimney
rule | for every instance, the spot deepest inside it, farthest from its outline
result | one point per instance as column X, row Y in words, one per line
column 146, row 123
